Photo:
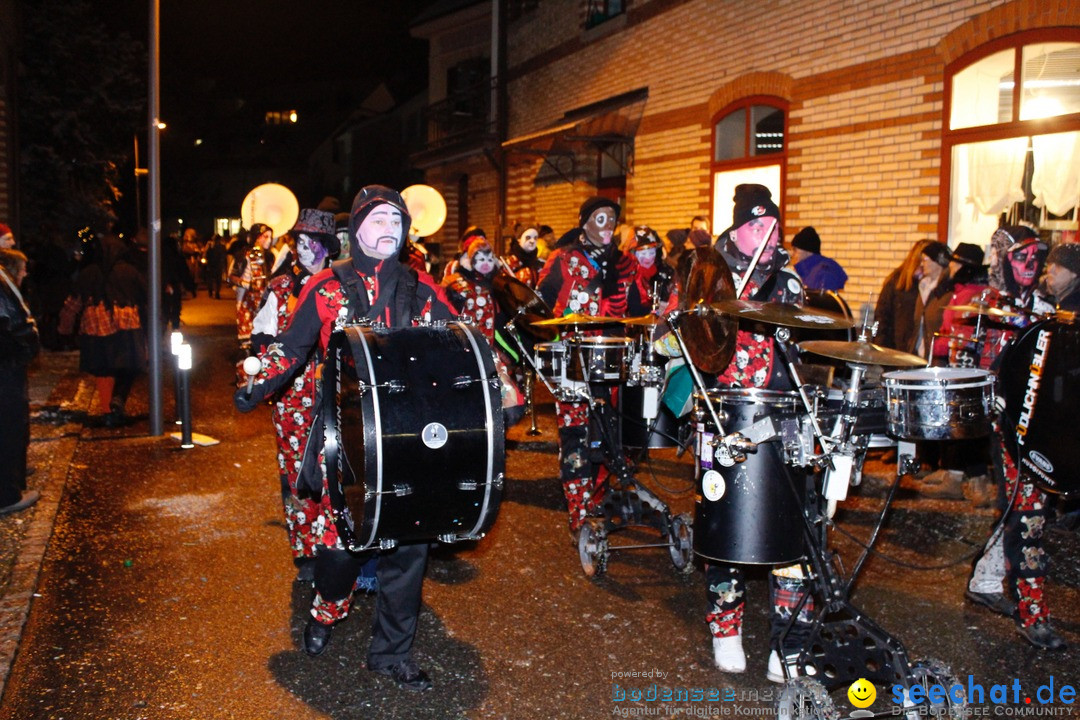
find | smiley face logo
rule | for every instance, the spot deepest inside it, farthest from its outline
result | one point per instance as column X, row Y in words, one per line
column 861, row 693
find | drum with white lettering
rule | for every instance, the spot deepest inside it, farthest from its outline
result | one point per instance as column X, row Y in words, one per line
column 1040, row 381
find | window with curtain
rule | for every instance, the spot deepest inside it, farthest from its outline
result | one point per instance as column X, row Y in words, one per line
column 1014, row 147
column 749, row 146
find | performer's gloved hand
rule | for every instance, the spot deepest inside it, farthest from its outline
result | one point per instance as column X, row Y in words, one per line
column 245, row 401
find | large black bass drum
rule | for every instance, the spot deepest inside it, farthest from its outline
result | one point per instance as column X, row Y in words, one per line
column 415, row 443
column 1040, row 380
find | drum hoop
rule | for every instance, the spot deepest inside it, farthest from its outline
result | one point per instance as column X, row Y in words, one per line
column 603, row 342
column 553, row 347
column 482, row 515
column 762, row 395
column 378, row 434
column 939, row 385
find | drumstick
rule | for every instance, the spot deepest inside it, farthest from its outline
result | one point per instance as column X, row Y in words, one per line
column 252, row 366
column 745, row 279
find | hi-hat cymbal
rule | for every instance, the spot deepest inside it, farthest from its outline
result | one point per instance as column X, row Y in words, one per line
column 783, row 314
column 579, row 320
column 987, row 310
column 862, row 353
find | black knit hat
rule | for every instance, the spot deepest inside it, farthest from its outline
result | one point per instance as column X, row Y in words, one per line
column 938, row 252
column 807, row 239
column 1067, row 255
column 751, row 202
column 592, row 205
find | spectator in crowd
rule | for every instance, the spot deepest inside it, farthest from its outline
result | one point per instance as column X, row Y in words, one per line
column 816, row 271
column 18, row 346
column 546, row 242
column 1063, row 276
column 934, row 293
column 216, row 257
column 895, row 309
column 7, row 238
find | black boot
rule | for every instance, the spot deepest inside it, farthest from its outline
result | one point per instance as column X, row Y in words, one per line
column 316, row 637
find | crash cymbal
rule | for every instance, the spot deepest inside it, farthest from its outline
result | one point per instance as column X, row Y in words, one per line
column 862, row 353
column 704, row 277
column 646, row 320
column 783, row 314
column 524, row 305
column 987, row 310
column 574, row 319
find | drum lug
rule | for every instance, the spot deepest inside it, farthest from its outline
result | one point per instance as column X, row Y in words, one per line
column 450, row 538
column 498, row 480
column 467, row 485
column 387, row 544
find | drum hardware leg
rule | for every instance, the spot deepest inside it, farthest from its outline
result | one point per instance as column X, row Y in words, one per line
column 530, row 398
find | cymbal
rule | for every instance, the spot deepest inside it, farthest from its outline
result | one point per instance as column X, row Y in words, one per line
column 578, row 320
column 783, row 314
column 710, row 338
column 647, row 320
column 523, row 303
column 987, row 310
column 862, row 353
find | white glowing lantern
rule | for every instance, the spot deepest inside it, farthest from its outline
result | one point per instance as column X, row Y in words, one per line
column 183, row 357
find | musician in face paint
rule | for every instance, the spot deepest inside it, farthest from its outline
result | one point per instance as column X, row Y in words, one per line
column 379, row 235
column 600, row 226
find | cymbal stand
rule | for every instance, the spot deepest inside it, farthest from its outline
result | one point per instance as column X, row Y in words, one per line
column 530, row 397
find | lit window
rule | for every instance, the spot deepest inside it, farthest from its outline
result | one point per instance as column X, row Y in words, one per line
column 599, row 11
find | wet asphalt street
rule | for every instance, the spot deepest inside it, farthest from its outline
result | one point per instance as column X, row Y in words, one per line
column 167, row 591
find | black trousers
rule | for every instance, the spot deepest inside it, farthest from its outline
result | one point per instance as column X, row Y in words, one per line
column 397, row 605
column 14, row 431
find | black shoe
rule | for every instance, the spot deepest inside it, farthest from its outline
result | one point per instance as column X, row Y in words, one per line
column 997, row 602
column 305, row 569
column 1041, row 635
column 316, row 637
column 29, row 497
column 407, row 674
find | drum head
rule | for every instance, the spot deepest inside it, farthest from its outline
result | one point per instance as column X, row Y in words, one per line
column 521, row 302
column 710, row 338
column 1040, row 379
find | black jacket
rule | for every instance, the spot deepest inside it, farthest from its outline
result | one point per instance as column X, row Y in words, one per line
column 18, row 331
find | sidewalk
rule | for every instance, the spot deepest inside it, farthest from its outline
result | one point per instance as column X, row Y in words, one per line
column 59, row 396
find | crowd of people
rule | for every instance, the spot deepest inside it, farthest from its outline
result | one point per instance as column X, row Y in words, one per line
column 292, row 291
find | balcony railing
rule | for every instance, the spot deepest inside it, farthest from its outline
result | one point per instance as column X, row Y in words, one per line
column 464, row 116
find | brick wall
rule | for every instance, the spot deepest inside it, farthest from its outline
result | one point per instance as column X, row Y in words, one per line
column 864, row 83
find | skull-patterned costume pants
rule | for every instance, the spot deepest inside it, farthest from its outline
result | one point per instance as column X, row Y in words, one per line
column 583, row 474
column 1022, row 540
column 726, row 596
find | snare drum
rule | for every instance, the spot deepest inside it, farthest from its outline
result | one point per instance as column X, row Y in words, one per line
column 416, row 426
column 939, row 403
column 751, row 511
column 599, row 359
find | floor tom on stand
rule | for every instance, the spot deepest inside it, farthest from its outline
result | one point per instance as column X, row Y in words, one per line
column 750, row 511
column 414, row 417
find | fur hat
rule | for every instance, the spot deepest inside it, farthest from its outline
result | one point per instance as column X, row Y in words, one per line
column 592, row 205
column 807, row 239
column 1067, row 255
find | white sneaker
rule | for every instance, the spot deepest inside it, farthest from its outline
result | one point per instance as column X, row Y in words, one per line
column 728, row 654
column 776, row 673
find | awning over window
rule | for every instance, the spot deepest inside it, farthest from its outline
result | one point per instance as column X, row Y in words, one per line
column 599, row 126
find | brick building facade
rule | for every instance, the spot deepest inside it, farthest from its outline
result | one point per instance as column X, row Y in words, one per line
column 864, row 88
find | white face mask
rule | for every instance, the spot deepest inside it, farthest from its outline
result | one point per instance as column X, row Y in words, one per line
column 646, row 257
column 379, row 236
column 484, row 262
column 528, row 240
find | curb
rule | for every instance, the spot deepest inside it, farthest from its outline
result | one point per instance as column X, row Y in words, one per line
column 54, row 462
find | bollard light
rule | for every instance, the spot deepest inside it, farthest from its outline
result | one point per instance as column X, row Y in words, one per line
column 183, row 356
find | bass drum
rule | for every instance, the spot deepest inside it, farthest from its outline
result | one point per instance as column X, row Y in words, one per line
column 750, row 511
column 1040, row 380
column 415, row 430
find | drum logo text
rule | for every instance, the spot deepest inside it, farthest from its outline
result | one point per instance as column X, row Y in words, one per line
column 1032, row 392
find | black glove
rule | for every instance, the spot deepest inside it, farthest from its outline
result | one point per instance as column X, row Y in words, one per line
column 245, row 401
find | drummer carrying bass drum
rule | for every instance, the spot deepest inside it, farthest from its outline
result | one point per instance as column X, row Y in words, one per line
column 757, row 364
column 373, row 285
column 1015, row 555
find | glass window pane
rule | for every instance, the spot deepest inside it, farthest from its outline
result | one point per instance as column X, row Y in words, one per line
column 768, row 130
column 1051, row 80
column 730, row 140
column 724, row 190
column 982, row 92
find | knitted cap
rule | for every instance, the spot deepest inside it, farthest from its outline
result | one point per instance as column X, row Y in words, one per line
column 807, row 239
column 1067, row 255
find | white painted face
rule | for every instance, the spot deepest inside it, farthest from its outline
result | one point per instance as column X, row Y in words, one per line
column 646, row 257
column 310, row 251
column 528, row 240
column 752, row 233
column 379, row 236
column 483, row 261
